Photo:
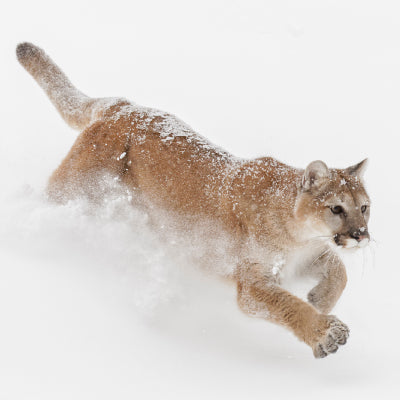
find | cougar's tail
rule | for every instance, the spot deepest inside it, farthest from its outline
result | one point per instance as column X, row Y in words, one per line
column 77, row 109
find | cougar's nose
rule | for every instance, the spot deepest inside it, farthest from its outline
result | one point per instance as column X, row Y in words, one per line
column 360, row 234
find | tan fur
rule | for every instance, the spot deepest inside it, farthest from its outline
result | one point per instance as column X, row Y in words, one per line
column 275, row 215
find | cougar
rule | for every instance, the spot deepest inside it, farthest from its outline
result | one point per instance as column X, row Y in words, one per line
column 279, row 218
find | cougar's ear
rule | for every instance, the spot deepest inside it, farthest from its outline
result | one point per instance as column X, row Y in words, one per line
column 358, row 169
column 315, row 175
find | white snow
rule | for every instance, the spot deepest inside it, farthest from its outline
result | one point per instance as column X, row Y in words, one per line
column 275, row 270
column 94, row 306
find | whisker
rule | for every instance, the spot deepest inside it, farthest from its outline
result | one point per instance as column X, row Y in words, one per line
column 331, row 259
column 320, row 239
column 314, row 242
column 372, row 239
column 323, row 236
column 363, row 264
column 372, row 252
column 320, row 256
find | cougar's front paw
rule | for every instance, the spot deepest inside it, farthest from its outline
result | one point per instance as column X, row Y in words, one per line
column 313, row 298
column 317, row 299
column 335, row 335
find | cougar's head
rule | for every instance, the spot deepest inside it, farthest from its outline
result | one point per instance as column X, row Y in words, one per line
column 334, row 203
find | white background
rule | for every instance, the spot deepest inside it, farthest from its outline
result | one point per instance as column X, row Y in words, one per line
column 93, row 307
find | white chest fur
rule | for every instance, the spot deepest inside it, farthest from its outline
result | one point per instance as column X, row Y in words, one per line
column 292, row 271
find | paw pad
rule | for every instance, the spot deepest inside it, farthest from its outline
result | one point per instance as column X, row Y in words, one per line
column 336, row 335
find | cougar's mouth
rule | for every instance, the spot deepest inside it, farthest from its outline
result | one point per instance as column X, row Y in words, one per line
column 350, row 242
column 336, row 239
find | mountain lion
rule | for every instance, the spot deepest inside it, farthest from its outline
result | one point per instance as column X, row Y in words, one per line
column 278, row 218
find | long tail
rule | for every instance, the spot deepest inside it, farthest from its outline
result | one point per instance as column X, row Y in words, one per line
column 77, row 109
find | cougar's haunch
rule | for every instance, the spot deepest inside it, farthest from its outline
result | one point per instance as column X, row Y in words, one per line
column 278, row 218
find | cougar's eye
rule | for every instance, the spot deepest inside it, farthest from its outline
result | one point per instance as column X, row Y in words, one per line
column 363, row 209
column 337, row 209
